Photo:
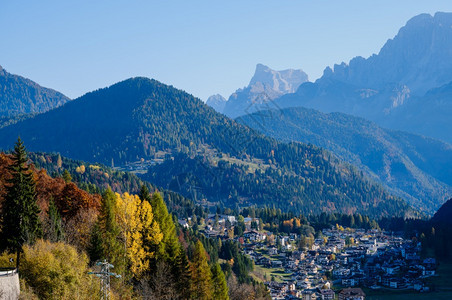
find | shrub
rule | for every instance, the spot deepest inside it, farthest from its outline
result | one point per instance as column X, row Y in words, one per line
column 57, row 271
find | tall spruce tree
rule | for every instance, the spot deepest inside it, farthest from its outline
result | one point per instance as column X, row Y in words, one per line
column 95, row 247
column 54, row 227
column 114, row 250
column 144, row 194
column 182, row 274
column 169, row 249
column 20, row 222
column 219, row 284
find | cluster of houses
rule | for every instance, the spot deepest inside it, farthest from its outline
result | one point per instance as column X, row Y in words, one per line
column 345, row 259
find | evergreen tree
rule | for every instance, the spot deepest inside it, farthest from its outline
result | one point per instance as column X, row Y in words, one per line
column 54, row 229
column 144, row 194
column 182, row 274
column 113, row 247
column 219, row 284
column 67, row 176
column 201, row 278
column 20, row 223
column 95, row 248
column 169, row 246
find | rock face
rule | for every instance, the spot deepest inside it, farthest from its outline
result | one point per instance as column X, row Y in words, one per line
column 19, row 95
column 393, row 87
column 265, row 86
column 429, row 115
column 217, row 102
column 283, row 82
column 419, row 57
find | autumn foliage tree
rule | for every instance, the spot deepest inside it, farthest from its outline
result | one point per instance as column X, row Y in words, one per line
column 73, row 200
column 141, row 232
column 136, row 234
column 201, row 277
column 57, row 271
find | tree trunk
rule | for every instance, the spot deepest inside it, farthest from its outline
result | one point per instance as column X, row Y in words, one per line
column 17, row 259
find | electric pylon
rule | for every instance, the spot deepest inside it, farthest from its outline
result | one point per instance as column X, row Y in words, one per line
column 104, row 276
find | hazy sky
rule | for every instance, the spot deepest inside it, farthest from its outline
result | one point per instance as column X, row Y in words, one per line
column 202, row 47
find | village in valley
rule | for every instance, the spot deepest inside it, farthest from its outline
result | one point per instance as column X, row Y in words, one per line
column 338, row 263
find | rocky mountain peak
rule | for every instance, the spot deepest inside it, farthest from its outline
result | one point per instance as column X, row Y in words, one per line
column 265, row 85
column 285, row 81
column 217, row 102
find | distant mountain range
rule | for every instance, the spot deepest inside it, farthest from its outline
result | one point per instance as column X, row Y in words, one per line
column 414, row 167
column 193, row 150
column 265, row 86
column 19, row 96
column 397, row 88
column 418, row 57
column 406, row 86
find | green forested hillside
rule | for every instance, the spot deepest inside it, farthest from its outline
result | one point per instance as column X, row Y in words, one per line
column 309, row 187
column 96, row 178
column 6, row 121
column 19, row 95
column 142, row 119
column 412, row 166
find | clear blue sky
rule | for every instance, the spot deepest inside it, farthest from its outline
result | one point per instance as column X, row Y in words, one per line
column 202, row 47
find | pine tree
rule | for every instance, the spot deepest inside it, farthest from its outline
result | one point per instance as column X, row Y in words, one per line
column 144, row 194
column 20, row 223
column 201, row 277
column 54, row 229
column 67, row 176
column 114, row 250
column 182, row 274
column 95, row 248
column 169, row 249
column 219, row 284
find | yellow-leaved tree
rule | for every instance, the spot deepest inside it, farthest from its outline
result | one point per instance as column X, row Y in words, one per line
column 140, row 231
column 57, row 271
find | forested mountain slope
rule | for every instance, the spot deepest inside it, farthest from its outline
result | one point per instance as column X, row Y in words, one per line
column 19, row 95
column 143, row 119
column 416, row 168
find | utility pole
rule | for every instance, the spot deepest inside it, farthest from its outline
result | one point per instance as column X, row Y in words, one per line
column 104, row 276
